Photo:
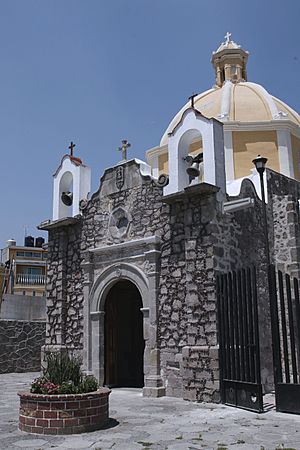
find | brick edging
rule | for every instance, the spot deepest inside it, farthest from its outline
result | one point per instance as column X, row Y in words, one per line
column 65, row 413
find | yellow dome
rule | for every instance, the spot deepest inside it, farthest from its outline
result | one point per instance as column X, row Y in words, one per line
column 238, row 102
column 255, row 122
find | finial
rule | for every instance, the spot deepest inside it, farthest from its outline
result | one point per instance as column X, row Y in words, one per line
column 192, row 99
column 71, row 147
column 227, row 37
column 123, row 149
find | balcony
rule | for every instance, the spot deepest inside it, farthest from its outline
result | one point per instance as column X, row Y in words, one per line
column 29, row 280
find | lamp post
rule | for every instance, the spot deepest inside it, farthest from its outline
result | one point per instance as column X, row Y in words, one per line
column 260, row 165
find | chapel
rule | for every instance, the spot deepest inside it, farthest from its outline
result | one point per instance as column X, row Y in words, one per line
column 158, row 276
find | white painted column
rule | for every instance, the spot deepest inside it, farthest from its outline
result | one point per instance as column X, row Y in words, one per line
column 229, row 161
column 285, row 154
column 155, row 169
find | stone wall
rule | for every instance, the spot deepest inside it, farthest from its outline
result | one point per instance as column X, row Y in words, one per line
column 64, row 288
column 284, row 194
column 192, row 240
column 20, row 345
column 187, row 299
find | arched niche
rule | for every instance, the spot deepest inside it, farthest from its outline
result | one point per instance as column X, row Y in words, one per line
column 185, row 146
column 191, row 126
column 65, row 185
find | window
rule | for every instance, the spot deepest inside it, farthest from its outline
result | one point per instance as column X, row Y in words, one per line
column 24, row 292
column 28, row 254
column 36, row 255
column 233, row 70
column 20, row 253
column 32, row 271
column 33, row 293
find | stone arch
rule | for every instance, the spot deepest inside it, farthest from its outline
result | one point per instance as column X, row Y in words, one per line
column 112, row 275
column 97, row 298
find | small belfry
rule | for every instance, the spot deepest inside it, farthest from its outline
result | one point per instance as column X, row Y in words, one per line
column 229, row 62
column 71, row 185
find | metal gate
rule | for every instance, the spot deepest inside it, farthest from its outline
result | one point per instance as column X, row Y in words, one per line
column 240, row 378
column 286, row 341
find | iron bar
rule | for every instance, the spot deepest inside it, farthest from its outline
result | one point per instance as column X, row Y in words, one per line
column 256, row 328
column 250, row 326
column 291, row 325
column 236, row 326
column 283, row 328
column 241, row 310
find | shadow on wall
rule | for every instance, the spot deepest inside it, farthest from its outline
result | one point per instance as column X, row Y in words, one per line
column 23, row 307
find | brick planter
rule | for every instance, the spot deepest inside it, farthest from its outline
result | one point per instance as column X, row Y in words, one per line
column 63, row 414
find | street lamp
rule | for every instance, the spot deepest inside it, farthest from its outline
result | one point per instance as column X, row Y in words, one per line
column 260, row 165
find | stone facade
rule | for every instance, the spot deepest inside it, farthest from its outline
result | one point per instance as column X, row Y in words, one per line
column 171, row 247
column 20, row 345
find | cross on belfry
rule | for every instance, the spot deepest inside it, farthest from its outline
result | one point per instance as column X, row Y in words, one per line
column 123, row 149
column 192, row 99
column 71, row 147
column 227, row 37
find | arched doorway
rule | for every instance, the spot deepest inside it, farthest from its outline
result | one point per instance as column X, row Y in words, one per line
column 124, row 342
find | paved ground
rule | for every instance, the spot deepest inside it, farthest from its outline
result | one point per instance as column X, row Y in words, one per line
column 155, row 424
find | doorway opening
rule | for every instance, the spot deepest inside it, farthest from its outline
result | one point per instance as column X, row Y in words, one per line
column 124, row 341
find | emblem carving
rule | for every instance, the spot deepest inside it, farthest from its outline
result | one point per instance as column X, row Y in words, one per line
column 149, row 267
column 83, row 204
column 120, row 177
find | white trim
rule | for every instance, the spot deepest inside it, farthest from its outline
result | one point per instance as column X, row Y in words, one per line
column 273, row 125
column 233, row 187
column 238, row 205
column 285, row 153
column 226, row 101
column 135, row 243
column 176, row 118
column 229, row 160
column 155, row 168
column 266, row 96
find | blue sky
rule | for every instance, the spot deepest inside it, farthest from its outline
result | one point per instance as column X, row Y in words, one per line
column 96, row 72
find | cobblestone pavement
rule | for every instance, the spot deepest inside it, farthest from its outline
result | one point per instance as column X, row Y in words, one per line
column 155, row 424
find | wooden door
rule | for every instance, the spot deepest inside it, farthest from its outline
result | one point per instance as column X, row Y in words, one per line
column 124, row 343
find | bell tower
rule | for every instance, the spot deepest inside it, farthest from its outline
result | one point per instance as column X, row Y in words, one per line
column 71, row 185
column 229, row 62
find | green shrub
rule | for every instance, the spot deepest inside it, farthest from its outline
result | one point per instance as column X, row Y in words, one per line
column 63, row 375
column 89, row 384
column 61, row 367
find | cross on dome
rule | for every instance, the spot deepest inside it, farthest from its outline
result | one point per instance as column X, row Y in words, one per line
column 227, row 37
column 229, row 62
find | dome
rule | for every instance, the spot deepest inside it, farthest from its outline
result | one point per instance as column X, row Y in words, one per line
column 238, row 102
column 255, row 122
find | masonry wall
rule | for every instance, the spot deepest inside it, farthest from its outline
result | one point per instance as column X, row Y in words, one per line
column 197, row 241
column 64, row 288
column 187, row 300
column 20, row 345
column 284, row 194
